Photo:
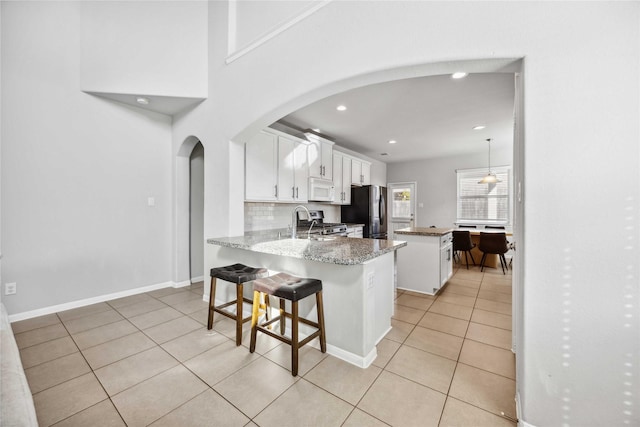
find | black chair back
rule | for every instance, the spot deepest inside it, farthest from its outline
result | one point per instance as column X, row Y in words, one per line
column 497, row 227
column 467, row 226
column 493, row 243
column 462, row 240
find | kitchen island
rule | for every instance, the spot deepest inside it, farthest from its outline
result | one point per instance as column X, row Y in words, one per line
column 427, row 264
column 357, row 277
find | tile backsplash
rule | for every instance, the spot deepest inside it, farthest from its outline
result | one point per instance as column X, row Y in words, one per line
column 268, row 216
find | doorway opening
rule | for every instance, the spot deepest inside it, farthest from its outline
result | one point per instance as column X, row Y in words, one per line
column 196, row 213
column 402, row 203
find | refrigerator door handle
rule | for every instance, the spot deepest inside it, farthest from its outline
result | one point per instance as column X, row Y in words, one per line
column 382, row 209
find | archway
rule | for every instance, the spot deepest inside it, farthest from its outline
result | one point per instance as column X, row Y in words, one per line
column 183, row 240
column 480, row 65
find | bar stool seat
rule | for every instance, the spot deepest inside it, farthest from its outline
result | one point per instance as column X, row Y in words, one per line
column 293, row 289
column 238, row 274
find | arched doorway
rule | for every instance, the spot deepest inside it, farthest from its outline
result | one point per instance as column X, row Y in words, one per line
column 188, row 239
column 196, row 213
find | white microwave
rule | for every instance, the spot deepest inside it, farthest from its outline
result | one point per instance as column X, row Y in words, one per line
column 321, row 190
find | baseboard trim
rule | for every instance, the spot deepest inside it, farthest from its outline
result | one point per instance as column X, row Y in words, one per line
column 94, row 300
column 197, row 279
column 521, row 422
column 181, row 284
column 354, row 359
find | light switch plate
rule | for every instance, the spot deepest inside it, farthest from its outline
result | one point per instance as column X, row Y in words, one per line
column 10, row 288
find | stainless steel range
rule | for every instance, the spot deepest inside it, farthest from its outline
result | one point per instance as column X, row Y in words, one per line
column 315, row 225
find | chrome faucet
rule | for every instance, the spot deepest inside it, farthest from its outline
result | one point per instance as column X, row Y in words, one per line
column 294, row 220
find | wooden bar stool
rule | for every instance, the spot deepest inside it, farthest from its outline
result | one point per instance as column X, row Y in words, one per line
column 238, row 274
column 294, row 289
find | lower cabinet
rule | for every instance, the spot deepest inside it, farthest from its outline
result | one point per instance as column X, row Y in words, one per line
column 354, row 231
column 425, row 264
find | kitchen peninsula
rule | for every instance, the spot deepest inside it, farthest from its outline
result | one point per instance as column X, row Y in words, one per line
column 357, row 277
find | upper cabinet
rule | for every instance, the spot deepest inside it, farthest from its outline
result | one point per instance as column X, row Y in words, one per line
column 342, row 178
column 360, row 172
column 293, row 170
column 276, row 168
column 320, row 158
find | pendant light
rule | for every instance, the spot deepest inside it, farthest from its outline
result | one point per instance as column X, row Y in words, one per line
column 491, row 177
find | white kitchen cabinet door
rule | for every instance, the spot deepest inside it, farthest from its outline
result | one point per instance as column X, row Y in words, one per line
column 366, row 173
column 356, row 169
column 327, row 160
column 261, row 167
column 346, row 186
column 337, row 182
column 301, row 172
column 360, row 172
column 286, row 171
column 320, row 159
column 342, row 179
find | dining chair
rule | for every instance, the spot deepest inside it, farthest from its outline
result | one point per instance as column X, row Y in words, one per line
column 467, row 226
column 493, row 243
column 462, row 242
column 496, row 227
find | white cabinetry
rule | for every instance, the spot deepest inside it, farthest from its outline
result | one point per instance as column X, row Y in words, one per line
column 293, row 172
column 354, row 231
column 320, row 157
column 342, row 178
column 360, row 172
column 425, row 264
column 276, row 168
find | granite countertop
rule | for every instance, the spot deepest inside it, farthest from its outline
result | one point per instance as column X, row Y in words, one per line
column 424, row 231
column 338, row 250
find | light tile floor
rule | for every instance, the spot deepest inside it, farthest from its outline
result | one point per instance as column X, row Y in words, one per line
column 148, row 359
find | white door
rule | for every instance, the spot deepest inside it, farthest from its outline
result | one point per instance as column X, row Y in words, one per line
column 402, row 203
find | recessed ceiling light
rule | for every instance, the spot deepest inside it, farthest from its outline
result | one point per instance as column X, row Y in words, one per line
column 459, row 75
column 341, row 108
column 479, row 127
column 142, row 100
column 392, row 141
column 316, row 130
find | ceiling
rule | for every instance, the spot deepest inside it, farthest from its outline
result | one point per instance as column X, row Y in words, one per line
column 428, row 117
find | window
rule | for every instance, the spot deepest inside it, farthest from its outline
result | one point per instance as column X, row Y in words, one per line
column 484, row 203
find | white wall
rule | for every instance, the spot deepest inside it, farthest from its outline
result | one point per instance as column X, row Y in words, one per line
column 76, row 171
column 144, row 47
column 437, row 183
column 579, row 350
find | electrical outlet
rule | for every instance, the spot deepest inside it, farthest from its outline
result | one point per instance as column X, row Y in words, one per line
column 370, row 280
column 10, row 288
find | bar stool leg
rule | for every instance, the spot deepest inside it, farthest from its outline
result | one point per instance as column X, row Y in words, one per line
column 320, row 310
column 294, row 338
column 283, row 317
column 212, row 302
column 254, row 320
column 239, row 298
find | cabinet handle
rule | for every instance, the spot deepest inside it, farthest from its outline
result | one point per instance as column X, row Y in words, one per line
column 448, row 254
column 293, row 192
column 276, row 190
column 296, row 192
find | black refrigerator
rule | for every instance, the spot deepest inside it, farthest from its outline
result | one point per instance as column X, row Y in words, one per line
column 368, row 207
